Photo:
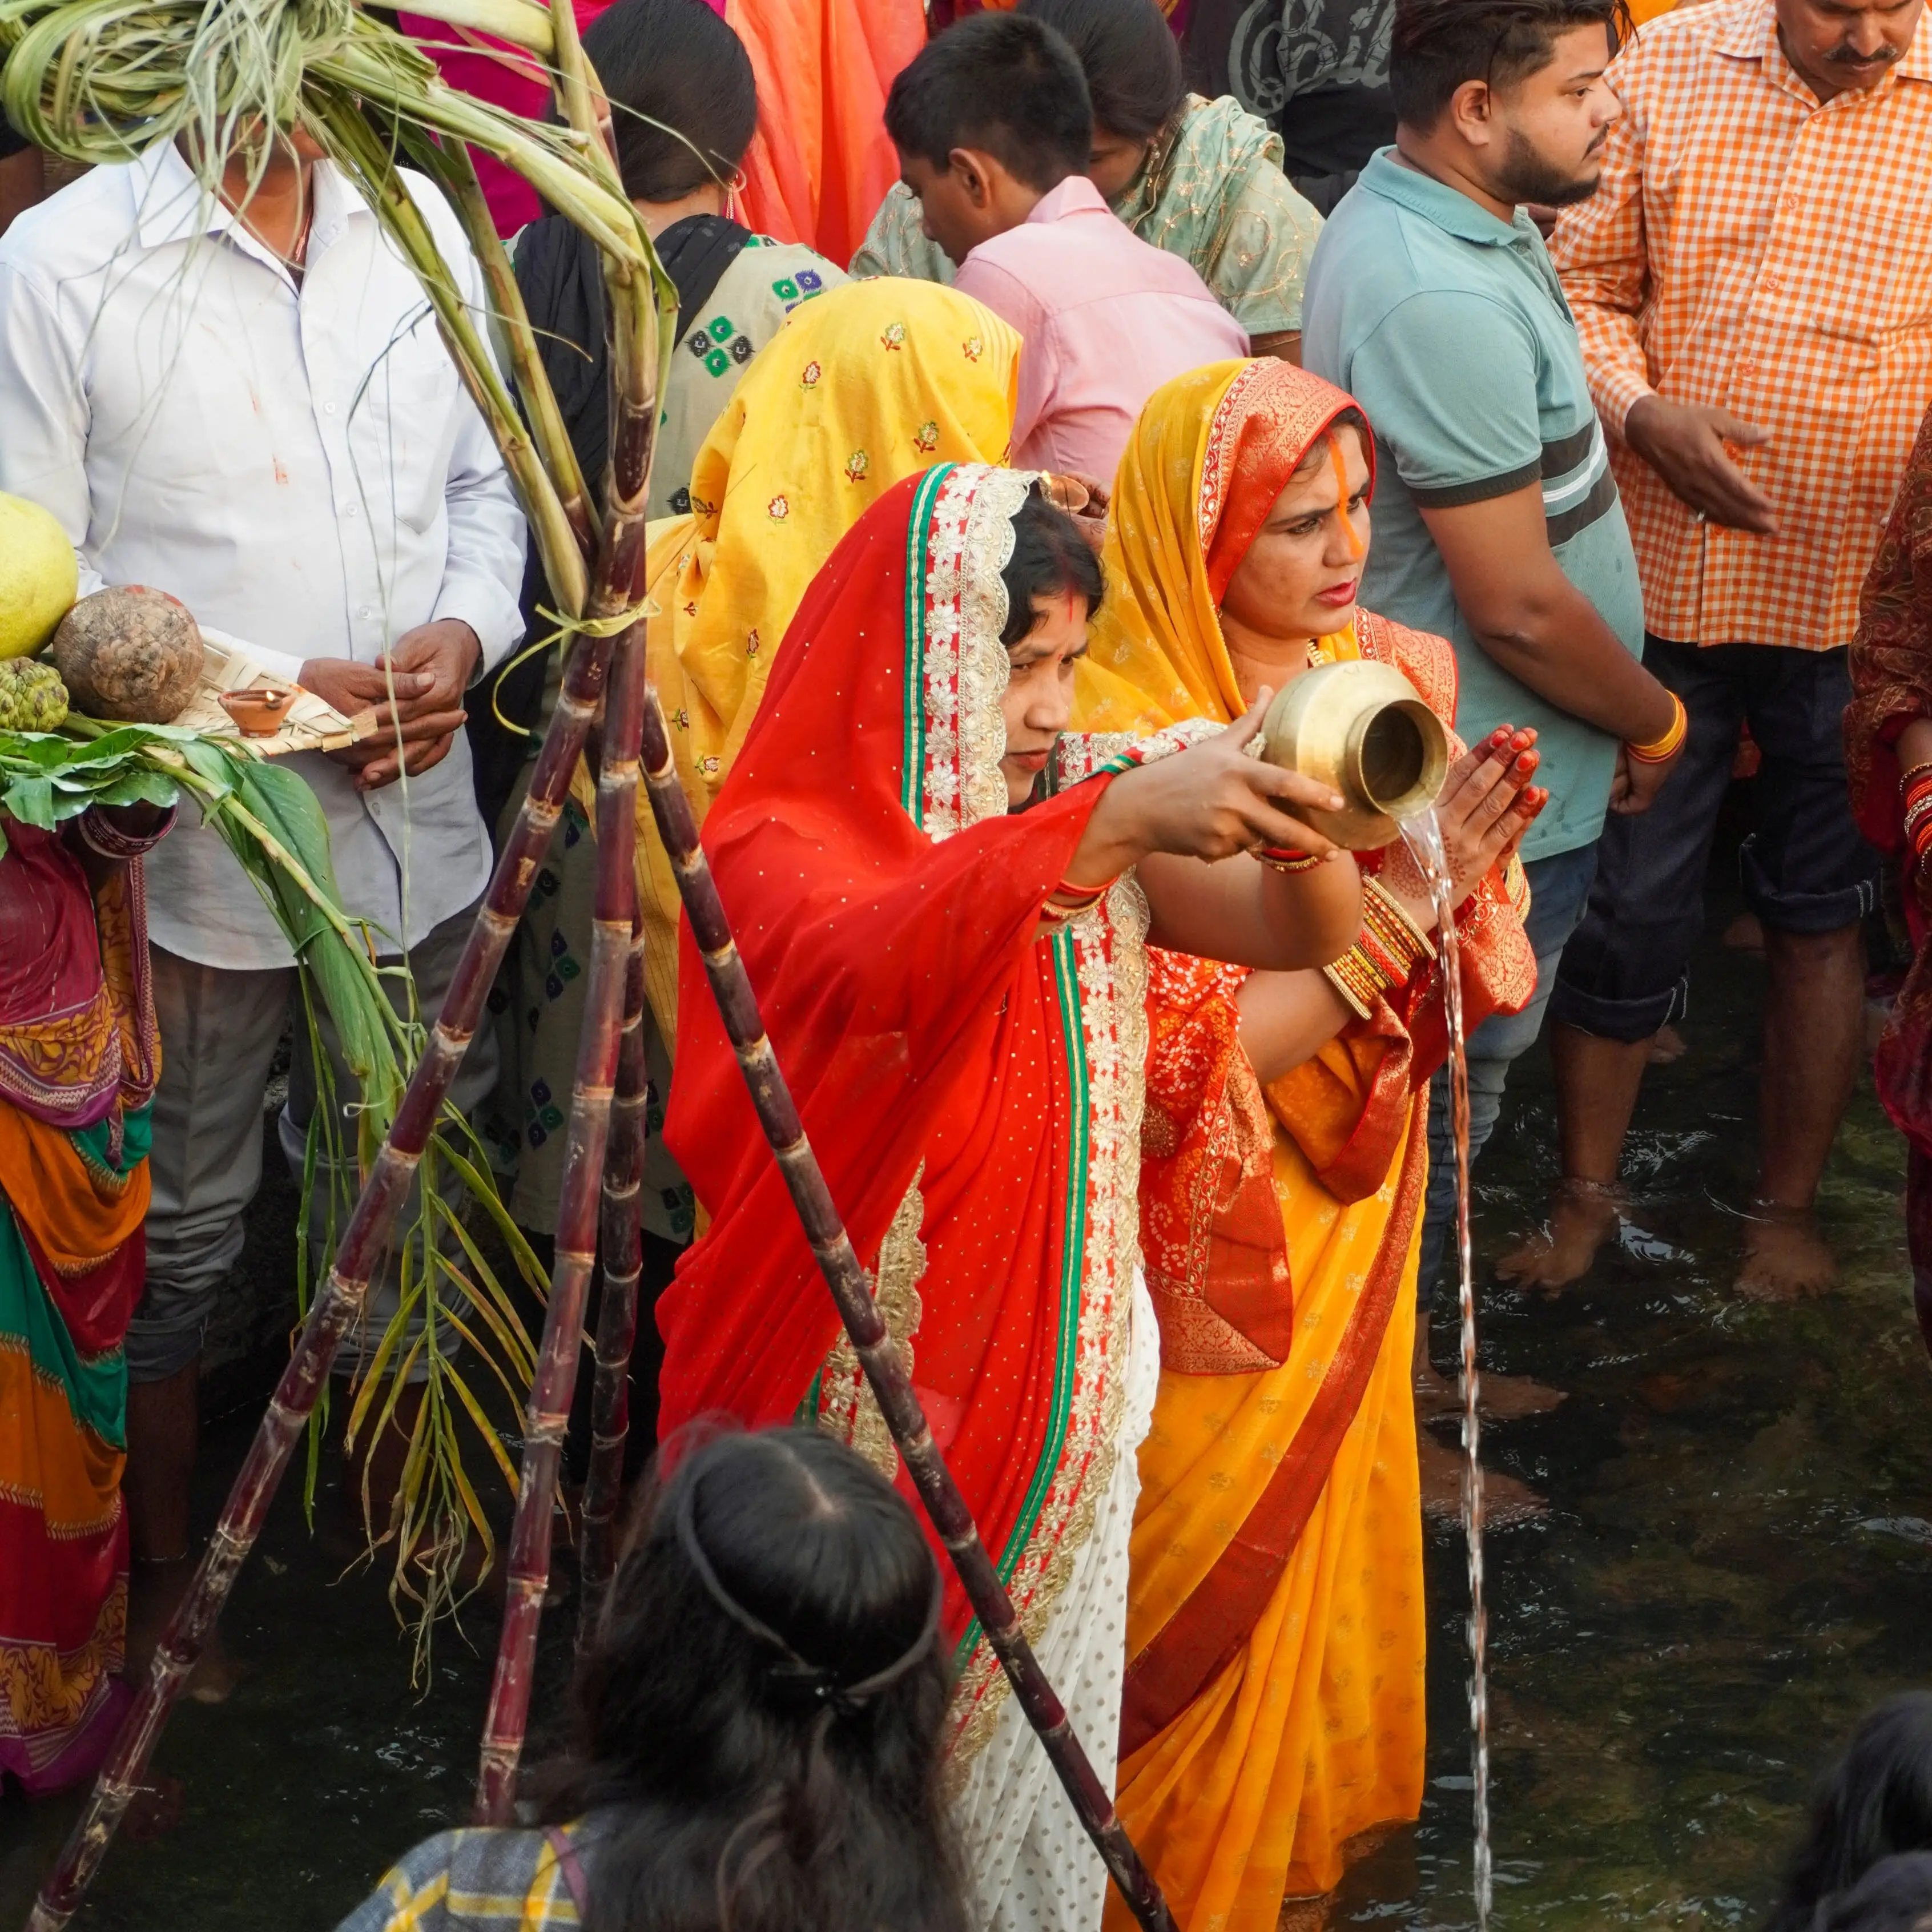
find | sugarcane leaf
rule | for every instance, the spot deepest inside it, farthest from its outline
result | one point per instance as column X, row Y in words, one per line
column 485, row 1299
column 454, row 1378
column 485, row 1294
column 496, row 1368
column 483, row 1192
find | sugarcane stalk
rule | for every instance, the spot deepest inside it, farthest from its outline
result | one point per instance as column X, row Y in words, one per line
column 354, row 70
column 455, row 171
column 339, row 1306
column 878, row 1353
column 548, row 1417
column 353, row 146
column 620, row 1240
column 523, row 23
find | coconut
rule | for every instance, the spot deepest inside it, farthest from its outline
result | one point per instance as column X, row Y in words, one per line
column 129, row 653
column 38, row 576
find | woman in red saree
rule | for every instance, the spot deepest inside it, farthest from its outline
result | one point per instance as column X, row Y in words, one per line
column 955, row 992
column 1889, row 759
column 79, row 1055
column 1273, row 1706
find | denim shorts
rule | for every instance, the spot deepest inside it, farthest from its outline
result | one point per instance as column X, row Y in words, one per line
column 1805, row 867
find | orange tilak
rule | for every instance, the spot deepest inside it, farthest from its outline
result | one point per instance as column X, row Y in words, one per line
column 1341, row 468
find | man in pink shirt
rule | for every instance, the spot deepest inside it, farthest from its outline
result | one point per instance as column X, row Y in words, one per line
column 993, row 127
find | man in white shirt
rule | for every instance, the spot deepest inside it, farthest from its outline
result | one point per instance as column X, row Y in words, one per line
column 255, row 412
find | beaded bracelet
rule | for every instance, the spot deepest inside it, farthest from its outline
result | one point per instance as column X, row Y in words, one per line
column 1659, row 751
column 1287, row 859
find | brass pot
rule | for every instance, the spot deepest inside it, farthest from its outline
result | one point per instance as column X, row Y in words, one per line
column 1361, row 727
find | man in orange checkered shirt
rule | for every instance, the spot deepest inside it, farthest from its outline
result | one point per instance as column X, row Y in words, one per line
column 1752, row 285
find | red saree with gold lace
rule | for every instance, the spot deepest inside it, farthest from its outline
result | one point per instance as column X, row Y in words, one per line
column 970, row 1084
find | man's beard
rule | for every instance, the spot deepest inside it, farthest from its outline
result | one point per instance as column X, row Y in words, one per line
column 1527, row 177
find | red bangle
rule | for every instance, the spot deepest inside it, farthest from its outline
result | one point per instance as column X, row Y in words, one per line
column 1067, row 901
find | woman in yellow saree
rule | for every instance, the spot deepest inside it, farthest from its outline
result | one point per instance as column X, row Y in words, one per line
column 1273, row 1707
column 866, row 385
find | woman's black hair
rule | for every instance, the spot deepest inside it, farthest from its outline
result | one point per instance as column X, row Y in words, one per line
column 1130, row 58
column 1351, row 418
column 1051, row 559
column 684, row 101
column 1895, row 1896
column 757, row 1724
column 1875, row 1800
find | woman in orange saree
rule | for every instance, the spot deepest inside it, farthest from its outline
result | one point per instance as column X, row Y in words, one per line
column 955, row 992
column 1274, row 1705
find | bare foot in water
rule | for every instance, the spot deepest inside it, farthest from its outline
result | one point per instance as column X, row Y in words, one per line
column 157, row 1589
column 1506, row 1502
column 1666, row 1047
column 1501, row 1398
column 1785, row 1256
column 1583, row 1215
column 156, row 1809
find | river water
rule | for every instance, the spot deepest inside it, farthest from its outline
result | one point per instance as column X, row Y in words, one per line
column 1737, row 1560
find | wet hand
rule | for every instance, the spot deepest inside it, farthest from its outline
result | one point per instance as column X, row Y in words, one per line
column 1487, row 804
column 1686, row 443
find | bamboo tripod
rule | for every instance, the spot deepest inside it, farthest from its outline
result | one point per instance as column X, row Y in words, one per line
column 598, row 1166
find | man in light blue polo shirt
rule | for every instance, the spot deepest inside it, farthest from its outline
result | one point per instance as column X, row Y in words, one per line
column 1497, row 524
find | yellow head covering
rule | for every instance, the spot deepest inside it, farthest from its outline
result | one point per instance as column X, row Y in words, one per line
column 866, row 385
column 1208, row 457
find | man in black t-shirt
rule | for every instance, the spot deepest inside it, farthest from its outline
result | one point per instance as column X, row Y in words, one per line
column 1315, row 69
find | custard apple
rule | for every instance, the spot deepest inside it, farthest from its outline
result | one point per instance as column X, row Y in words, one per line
column 32, row 697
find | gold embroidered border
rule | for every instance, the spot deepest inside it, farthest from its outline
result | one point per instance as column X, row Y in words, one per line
column 1110, row 956
column 846, row 1404
column 44, row 1691
column 968, row 544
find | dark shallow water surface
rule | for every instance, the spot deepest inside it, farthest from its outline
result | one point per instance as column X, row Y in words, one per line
column 1737, row 1560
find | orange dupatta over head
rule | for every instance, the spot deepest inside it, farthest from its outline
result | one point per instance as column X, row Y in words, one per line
column 1332, row 1155
column 970, row 1087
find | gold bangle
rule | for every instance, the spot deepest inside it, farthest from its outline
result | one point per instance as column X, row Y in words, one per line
column 1390, row 921
column 1660, row 749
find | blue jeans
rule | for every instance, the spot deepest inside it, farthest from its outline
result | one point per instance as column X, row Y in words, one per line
column 1559, row 888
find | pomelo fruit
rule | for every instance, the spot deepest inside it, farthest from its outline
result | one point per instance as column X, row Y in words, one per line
column 38, row 576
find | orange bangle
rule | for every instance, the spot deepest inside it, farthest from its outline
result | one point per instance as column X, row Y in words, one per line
column 1660, row 749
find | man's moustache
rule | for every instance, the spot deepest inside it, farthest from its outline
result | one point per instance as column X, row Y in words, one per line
column 1849, row 56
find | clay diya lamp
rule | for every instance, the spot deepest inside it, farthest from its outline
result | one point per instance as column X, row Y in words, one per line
column 258, row 713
